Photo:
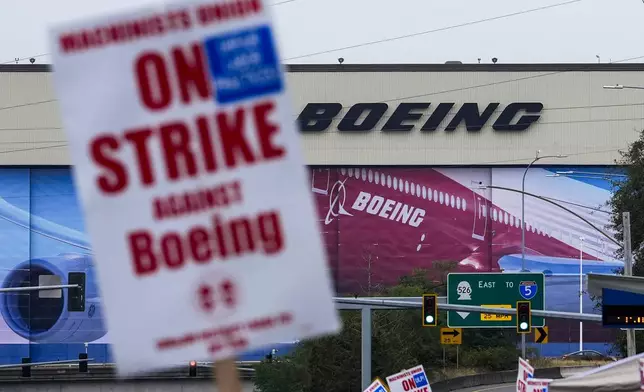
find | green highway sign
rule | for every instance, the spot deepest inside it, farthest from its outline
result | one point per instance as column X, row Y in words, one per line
column 493, row 290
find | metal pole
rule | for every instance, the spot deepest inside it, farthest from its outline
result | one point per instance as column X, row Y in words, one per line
column 523, row 212
column 523, row 225
column 366, row 347
column 628, row 271
column 581, row 292
column 444, row 359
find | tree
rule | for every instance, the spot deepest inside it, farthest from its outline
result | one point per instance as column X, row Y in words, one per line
column 628, row 195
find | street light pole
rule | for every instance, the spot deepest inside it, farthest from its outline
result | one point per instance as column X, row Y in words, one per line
column 523, row 225
column 628, row 271
column 581, row 292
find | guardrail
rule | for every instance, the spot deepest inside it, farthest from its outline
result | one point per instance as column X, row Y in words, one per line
column 105, row 372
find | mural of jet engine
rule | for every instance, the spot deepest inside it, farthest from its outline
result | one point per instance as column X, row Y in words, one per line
column 54, row 316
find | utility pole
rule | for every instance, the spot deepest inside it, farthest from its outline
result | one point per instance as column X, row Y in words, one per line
column 628, row 271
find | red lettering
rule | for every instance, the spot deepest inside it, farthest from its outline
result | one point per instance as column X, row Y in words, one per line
column 409, row 384
column 139, row 138
column 172, row 249
column 266, row 131
column 191, row 72
column 175, row 140
column 68, row 43
column 270, row 232
column 116, row 178
column 190, row 148
column 152, row 78
column 241, row 231
column 207, row 148
column 232, row 138
column 141, row 253
column 200, row 248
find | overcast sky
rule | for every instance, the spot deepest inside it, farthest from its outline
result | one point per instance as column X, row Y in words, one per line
column 575, row 32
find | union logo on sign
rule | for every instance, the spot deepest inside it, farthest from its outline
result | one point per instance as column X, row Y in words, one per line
column 528, row 289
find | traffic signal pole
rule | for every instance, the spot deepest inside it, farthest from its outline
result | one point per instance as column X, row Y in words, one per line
column 628, row 271
column 366, row 347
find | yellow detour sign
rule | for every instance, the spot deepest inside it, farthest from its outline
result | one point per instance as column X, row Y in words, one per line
column 451, row 335
column 541, row 335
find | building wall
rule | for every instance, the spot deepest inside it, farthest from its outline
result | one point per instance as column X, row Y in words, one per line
column 355, row 177
column 579, row 118
column 378, row 224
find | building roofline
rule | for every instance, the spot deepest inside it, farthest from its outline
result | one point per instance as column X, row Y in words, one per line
column 302, row 68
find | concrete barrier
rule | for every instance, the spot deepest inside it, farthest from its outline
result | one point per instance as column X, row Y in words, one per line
column 503, row 377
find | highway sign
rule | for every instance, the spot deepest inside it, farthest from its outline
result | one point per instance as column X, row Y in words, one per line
column 541, row 335
column 493, row 290
column 451, row 336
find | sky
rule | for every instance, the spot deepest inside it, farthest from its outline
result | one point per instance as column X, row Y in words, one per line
column 574, row 32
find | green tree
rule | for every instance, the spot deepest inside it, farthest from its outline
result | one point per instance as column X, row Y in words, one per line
column 628, row 195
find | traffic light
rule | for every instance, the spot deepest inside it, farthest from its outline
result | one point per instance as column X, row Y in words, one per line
column 26, row 370
column 76, row 300
column 193, row 369
column 524, row 318
column 82, row 362
column 430, row 310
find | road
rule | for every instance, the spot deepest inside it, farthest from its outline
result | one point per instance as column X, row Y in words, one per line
column 491, row 388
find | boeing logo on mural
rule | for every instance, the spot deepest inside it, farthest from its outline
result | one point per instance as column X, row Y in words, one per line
column 337, row 198
column 364, row 117
column 528, row 289
column 373, row 205
column 389, row 209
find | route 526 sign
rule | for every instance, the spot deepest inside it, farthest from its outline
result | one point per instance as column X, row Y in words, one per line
column 528, row 289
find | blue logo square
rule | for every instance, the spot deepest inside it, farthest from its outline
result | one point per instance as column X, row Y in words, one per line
column 380, row 389
column 420, row 380
column 243, row 64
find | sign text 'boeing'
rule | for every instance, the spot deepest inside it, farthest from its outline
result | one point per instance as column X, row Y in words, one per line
column 364, row 117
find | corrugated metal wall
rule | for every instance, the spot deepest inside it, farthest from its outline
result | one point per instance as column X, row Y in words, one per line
column 579, row 119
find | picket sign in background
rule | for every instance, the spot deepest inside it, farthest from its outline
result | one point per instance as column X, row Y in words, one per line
column 410, row 380
column 524, row 372
column 376, row 386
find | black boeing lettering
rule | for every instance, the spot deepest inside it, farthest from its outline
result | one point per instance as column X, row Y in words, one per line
column 474, row 121
column 317, row 117
column 404, row 112
column 365, row 117
column 437, row 117
column 353, row 121
column 504, row 122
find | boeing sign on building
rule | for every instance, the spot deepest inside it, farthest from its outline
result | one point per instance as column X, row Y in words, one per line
column 364, row 117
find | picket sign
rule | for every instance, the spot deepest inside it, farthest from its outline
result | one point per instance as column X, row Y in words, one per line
column 538, row 384
column 189, row 168
column 525, row 372
column 377, row 386
column 641, row 374
column 410, row 380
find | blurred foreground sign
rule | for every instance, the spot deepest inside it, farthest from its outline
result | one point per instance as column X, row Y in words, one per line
column 190, row 171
